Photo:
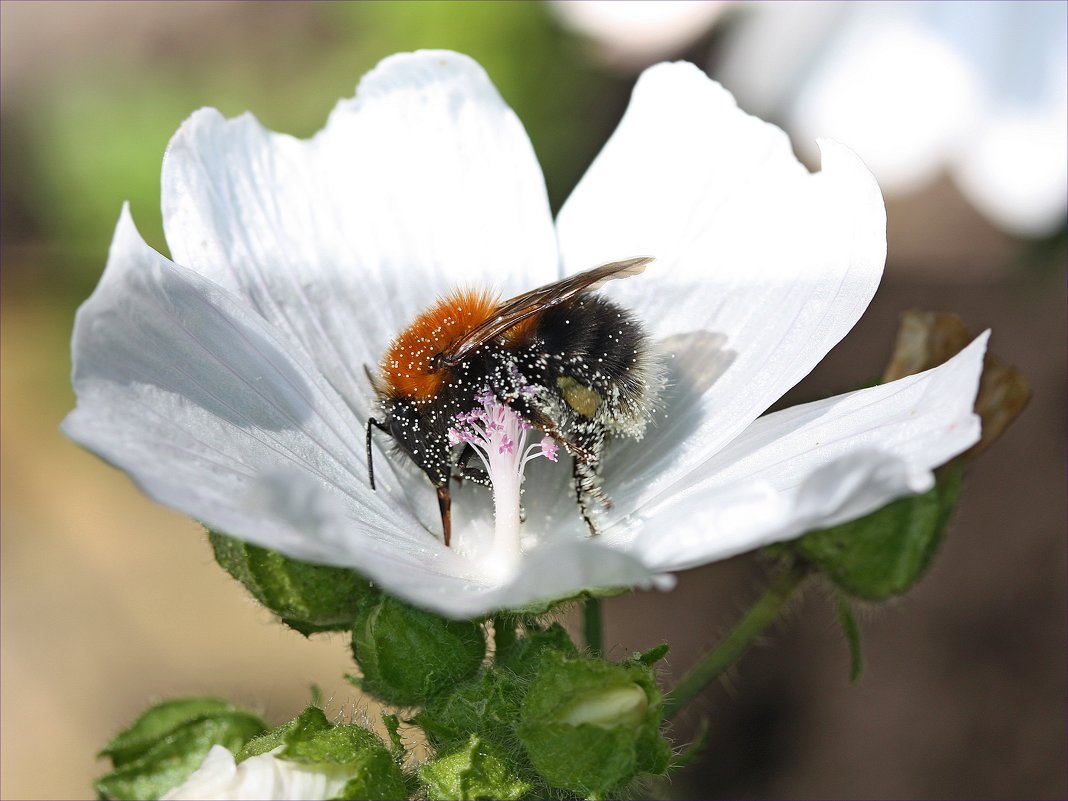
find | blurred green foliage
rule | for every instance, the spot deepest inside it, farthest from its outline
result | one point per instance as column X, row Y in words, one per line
column 88, row 138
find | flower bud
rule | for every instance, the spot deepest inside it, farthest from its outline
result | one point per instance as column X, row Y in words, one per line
column 885, row 553
column 590, row 726
column 168, row 742
column 307, row 597
column 407, row 655
column 306, row 758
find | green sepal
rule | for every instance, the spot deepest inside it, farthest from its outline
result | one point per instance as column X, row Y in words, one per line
column 308, row 723
column 308, row 598
column 590, row 726
column 407, row 655
column 653, row 655
column 523, row 655
column 475, row 771
column 349, row 750
column 504, row 631
column 174, row 756
column 487, row 705
column 156, row 723
column 852, row 634
column 396, row 746
column 887, row 552
column 541, row 608
column 355, row 751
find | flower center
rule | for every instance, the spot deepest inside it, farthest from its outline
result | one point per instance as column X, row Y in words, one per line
column 499, row 437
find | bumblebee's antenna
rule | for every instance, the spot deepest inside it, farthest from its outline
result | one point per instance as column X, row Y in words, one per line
column 370, row 462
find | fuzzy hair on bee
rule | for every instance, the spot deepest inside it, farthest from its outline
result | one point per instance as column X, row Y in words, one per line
column 571, row 363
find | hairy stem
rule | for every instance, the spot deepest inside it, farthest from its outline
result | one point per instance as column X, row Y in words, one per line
column 758, row 618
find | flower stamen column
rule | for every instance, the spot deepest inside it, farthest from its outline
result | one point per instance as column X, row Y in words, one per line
column 499, row 437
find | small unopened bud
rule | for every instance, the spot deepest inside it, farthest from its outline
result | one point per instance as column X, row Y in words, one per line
column 590, row 726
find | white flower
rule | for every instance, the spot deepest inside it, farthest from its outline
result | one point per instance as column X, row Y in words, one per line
column 264, row 777
column 229, row 383
column 632, row 33
column 979, row 90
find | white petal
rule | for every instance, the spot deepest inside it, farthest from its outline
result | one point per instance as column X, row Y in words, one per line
column 426, row 180
column 263, row 776
column 200, row 402
column 440, row 579
column 815, row 465
column 211, row 780
column 760, row 266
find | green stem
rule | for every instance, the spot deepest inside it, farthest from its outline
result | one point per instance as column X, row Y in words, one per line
column 592, row 625
column 503, row 632
column 758, row 618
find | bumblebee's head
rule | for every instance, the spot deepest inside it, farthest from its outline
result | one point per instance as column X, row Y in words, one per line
column 407, row 425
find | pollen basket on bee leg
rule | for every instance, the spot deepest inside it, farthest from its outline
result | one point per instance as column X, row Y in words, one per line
column 408, row 368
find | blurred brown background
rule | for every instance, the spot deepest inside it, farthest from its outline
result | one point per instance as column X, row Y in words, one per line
column 110, row 602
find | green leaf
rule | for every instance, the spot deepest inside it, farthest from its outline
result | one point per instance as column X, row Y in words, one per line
column 476, row 771
column 887, row 552
column 156, row 723
column 175, row 756
column 407, row 655
column 852, row 634
column 308, row 598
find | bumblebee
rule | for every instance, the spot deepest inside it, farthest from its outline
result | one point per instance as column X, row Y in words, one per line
column 569, row 362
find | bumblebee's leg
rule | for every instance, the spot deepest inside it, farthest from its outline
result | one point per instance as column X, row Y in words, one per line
column 585, row 471
column 370, row 463
column 464, row 472
column 577, row 446
column 445, row 507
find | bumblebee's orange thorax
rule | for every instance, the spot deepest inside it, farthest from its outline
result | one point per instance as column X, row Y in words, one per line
column 407, row 366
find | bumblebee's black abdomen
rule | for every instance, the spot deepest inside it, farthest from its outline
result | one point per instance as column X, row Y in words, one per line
column 597, row 357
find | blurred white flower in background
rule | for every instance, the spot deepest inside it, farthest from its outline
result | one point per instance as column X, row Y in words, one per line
column 636, row 33
column 920, row 90
column 976, row 90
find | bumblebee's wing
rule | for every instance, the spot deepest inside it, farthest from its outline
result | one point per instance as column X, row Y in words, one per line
column 523, row 306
